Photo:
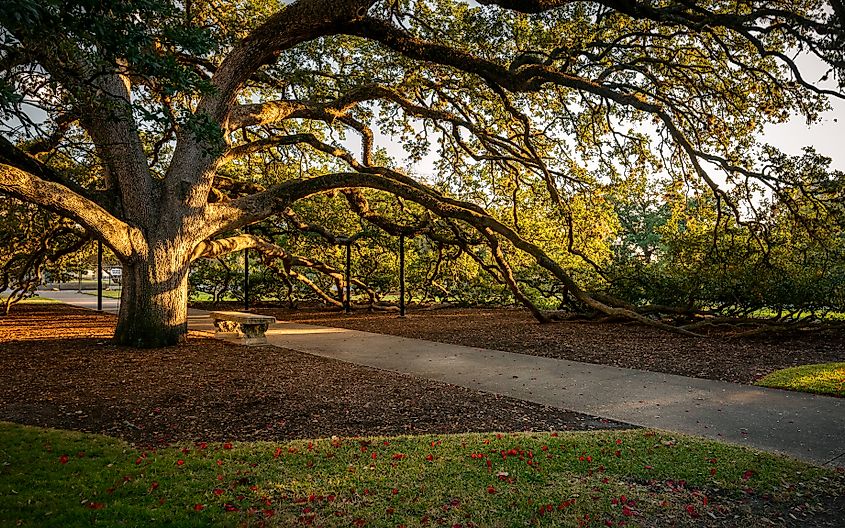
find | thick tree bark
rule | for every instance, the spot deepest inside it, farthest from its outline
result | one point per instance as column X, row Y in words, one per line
column 154, row 300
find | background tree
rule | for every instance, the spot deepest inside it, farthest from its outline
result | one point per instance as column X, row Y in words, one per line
column 179, row 124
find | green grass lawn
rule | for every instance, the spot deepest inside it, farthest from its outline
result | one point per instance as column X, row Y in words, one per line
column 60, row 478
column 115, row 294
column 34, row 300
column 112, row 294
column 825, row 378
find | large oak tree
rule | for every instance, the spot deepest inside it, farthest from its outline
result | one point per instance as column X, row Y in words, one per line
column 169, row 107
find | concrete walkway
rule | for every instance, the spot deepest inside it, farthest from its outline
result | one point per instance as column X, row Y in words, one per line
column 805, row 426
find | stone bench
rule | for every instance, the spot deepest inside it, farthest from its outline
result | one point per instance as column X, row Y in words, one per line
column 250, row 327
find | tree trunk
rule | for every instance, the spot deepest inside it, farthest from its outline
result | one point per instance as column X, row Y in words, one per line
column 154, row 300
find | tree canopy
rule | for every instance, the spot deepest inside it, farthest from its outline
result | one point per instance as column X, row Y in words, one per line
column 583, row 151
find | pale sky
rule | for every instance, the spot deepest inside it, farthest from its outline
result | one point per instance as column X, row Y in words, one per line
column 827, row 136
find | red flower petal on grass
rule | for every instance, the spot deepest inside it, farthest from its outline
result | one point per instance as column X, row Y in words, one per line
column 96, row 505
column 180, row 462
column 63, row 459
column 491, row 490
column 218, row 491
column 198, row 507
column 692, row 511
column 747, row 475
column 429, row 457
column 154, row 486
column 227, row 445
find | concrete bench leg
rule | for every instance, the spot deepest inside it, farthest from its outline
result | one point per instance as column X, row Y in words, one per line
column 251, row 334
column 254, row 333
column 226, row 328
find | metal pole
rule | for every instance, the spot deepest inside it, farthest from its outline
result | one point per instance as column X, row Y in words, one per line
column 246, row 279
column 348, row 299
column 100, row 275
column 401, row 275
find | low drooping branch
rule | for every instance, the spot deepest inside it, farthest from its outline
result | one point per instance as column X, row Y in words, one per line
column 270, row 252
column 507, row 275
column 25, row 161
column 23, row 272
column 122, row 238
column 244, row 211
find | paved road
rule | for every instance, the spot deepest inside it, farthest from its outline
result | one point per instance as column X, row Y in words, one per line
column 805, row 426
column 197, row 319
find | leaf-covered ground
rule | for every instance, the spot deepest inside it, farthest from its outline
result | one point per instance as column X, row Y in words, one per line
column 59, row 369
column 609, row 478
column 718, row 357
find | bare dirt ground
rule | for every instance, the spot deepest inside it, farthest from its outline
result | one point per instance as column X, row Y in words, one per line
column 60, row 370
column 719, row 356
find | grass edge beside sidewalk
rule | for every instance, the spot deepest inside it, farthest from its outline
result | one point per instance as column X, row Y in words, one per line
column 823, row 378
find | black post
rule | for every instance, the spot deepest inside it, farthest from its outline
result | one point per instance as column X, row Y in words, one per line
column 401, row 275
column 100, row 275
column 246, row 279
column 348, row 297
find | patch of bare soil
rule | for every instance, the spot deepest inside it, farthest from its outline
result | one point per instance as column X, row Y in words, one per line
column 718, row 356
column 60, row 370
